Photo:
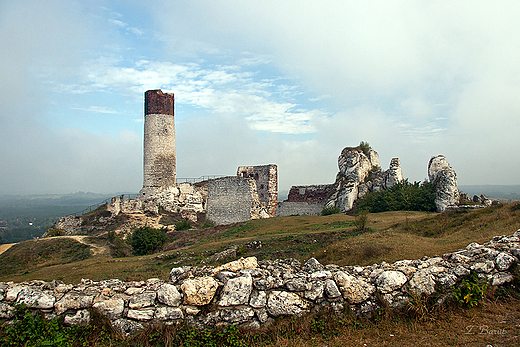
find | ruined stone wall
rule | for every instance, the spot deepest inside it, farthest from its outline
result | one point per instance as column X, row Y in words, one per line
column 310, row 193
column 252, row 293
column 159, row 167
column 290, row 208
column 230, row 200
column 266, row 177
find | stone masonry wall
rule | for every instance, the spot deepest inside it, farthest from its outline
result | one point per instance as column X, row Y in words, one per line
column 250, row 293
column 266, row 177
column 289, row 208
column 310, row 193
column 229, row 200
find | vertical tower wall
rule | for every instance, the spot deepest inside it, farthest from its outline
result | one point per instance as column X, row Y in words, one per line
column 159, row 167
column 266, row 177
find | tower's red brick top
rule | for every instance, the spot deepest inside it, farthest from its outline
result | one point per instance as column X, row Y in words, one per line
column 157, row 102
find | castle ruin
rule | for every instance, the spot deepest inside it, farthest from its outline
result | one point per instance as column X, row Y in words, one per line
column 251, row 194
column 159, row 143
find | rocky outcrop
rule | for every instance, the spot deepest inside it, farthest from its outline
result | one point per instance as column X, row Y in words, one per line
column 252, row 293
column 444, row 179
column 360, row 173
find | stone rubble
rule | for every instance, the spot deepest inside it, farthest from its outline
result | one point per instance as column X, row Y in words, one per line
column 252, row 293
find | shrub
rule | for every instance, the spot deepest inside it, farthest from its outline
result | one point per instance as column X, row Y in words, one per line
column 146, row 240
column 207, row 224
column 471, row 290
column 365, row 147
column 183, row 225
column 51, row 232
column 361, row 220
column 403, row 196
column 329, row 210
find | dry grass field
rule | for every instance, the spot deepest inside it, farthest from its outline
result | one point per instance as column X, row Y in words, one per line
column 334, row 239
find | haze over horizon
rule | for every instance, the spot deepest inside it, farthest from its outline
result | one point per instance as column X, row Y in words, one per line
column 285, row 82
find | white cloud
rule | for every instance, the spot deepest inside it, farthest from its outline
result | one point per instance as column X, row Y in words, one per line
column 95, row 109
column 220, row 90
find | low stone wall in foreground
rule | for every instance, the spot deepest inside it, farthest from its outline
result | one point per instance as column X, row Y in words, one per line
column 250, row 293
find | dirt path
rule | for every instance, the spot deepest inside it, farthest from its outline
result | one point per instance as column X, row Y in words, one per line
column 5, row 247
column 96, row 249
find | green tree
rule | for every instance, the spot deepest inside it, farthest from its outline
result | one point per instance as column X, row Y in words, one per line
column 146, row 240
column 403, row 196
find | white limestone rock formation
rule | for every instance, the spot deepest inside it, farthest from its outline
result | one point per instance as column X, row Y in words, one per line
column 360, row 173
column 441, row 174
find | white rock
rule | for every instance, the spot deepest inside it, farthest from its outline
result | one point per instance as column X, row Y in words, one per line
column 112, row 308
column 355, row 290
column 422, row 282
column 6, row 311
column 126, row 326
column 237, row 291
column 134, row 291
column 444, row 178
column 331, row 290
column 504, row 261
column 285, row 303
column 485, row 267
column 81, row 317
column 501, row 278
column 73, row 301
column 169, row 295
column 168, row 313
column 35, row 299
column 199, row 291
column 258, row 299
column 316, row 291
column 142, row 300
column 12, row 293
column 389, row 281
column 142, row 314
column 238, row 315
column 237, row 265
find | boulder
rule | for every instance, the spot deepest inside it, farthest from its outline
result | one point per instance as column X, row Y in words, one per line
column 169, row 295
column 285, row 303
column 142, row 314
column 199, row 291
column 444, row 179
column 145, row 299
column 73, row 301
column 237, row 291
column 35, row 299
column 237, row 265
column 388, row 281
column 168, row 313
column 112, row 308
column 355, row 290
column 81, row 317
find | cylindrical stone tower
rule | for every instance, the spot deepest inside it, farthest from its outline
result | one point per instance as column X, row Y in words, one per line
column 159, row 142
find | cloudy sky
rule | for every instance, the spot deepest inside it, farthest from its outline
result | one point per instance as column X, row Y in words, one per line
column 256, row 82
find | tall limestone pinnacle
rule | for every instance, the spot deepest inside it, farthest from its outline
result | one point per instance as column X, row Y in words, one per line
column 359, row 173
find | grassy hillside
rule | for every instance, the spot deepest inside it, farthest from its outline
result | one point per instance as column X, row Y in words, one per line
column 331, row 239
